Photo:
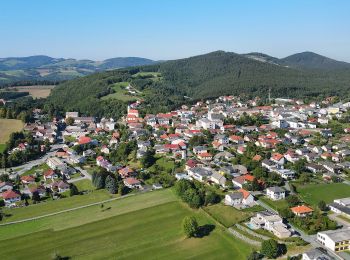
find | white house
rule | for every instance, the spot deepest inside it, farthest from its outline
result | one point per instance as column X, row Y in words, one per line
column 271, row 222
column 275, row 193
column 241, row 198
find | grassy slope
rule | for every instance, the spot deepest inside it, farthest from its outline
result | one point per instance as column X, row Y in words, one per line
column 146, row 226
column 7, row 126
column 312, row 194
column 120, row 93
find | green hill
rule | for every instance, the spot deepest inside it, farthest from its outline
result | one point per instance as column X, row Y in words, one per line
column 166, row 84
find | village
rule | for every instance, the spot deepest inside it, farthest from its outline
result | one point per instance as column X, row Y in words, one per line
column 253, row 157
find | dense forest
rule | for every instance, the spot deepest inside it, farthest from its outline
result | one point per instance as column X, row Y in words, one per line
column 205, row 76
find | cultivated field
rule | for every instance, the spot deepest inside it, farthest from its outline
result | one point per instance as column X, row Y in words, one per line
column 146, row 226
column 8, row 126
column 35, row 91
column 314, row 193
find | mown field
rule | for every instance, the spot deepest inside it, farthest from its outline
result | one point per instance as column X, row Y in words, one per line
column 35, row 91
column 8, row 126
column 146, row 226
column 314, row 193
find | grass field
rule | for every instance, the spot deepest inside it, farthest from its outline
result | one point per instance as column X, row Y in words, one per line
column 276, row 205
column 146, row 226
column 226, row 215
column 312, row 194
column 8, row 126
column 35, row 91
column 120, row 93
column 51, row 206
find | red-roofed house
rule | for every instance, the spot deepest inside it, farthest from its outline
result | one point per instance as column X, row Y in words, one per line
column 27, row 179
column 302, row 211
column 205, row 156
column 84, row 140
column 236, row 139
column 132, row 183
column 10, row 197
column 277, row 158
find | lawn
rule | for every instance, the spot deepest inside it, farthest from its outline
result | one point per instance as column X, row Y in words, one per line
column 226, row 215
column 276, row 205
column 37, row 169
column 146, row 226
column 84, row 185
column 8, row 126
column 312, row 194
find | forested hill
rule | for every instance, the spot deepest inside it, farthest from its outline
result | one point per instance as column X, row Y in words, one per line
column 164, row 85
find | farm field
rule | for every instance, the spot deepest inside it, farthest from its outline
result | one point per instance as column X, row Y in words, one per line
column 144, row 226
column 8, row 126
column 312, row 194
column 35, row 91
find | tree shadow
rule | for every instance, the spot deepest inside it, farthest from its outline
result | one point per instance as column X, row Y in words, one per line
column 205, row 230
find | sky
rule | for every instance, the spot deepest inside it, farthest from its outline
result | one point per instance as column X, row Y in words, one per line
column 171, row 29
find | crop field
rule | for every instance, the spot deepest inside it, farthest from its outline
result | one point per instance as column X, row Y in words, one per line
column 8, row 126
column 146, row 226
column 34, row 91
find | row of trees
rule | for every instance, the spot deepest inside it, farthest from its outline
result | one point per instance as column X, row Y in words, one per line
column 105, row 180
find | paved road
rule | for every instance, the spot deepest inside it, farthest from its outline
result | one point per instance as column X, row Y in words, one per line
column 18, row 170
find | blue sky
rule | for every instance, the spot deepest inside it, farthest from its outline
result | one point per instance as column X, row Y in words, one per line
column 169, row 29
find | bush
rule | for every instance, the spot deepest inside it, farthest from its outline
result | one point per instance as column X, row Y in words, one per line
column 190, row 226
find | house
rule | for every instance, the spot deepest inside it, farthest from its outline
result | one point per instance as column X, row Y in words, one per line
column 199, row 173
column 341, row 206
column 59, row 186
column 55, row 163
column 240, row 180
column 205, row 156
column 316, row 254
column 271, row 222
column 218, row 178
column 335, row 240
column 200, row 149
column 10, row 197
column 28, row 179
column 50, row 175
column 4, row 186
column 241, row 198
column 275, row 193
column 302, row 211
column 126, row 172
column 277, row 158
column 40, row 190
column 236, row 139
column 132, row 183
